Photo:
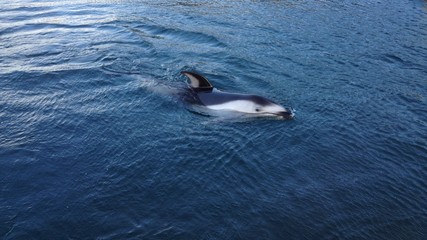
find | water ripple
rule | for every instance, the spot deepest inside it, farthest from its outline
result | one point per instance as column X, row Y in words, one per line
column 94, row 143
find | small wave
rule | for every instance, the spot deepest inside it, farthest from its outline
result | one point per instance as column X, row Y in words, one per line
column 159, row 32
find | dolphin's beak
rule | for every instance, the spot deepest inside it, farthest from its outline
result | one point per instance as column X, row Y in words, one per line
column 288, row 114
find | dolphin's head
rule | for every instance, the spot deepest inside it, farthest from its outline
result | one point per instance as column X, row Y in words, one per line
column 273, row 109
column 263, row 107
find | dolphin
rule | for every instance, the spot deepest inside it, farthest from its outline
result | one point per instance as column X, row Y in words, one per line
column 203, row 93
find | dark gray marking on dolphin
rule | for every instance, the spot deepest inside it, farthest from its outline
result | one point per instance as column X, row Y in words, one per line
column 203, row 93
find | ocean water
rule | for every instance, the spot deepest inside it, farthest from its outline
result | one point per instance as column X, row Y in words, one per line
column 94, row 144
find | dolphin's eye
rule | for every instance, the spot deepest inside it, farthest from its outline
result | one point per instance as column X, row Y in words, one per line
column 257, row 110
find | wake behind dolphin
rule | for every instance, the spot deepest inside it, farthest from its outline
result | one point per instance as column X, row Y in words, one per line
column 202, row 93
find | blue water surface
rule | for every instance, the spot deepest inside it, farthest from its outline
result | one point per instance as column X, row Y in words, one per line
column 94, row 143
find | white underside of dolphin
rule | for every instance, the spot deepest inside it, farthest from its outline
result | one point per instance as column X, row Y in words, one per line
column 206, row 95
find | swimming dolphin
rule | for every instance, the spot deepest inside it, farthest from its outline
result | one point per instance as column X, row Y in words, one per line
column 203, row 93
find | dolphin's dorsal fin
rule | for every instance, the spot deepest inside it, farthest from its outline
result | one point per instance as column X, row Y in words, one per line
column 198, row 82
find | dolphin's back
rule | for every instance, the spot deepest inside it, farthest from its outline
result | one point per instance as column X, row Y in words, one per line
column 218, row 97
